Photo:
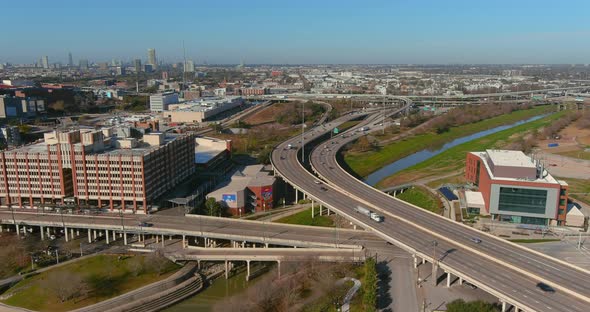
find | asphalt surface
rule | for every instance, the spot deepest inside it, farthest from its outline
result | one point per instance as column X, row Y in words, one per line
column 486, row 264
column 212, row 227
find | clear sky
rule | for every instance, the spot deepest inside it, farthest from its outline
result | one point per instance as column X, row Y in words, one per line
column 299, row 31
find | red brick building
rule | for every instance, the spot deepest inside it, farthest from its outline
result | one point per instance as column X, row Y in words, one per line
column 517, row 188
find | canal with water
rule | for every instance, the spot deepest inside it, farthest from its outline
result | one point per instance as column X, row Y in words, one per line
column 423, row 155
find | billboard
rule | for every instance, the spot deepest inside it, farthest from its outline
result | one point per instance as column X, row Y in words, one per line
column 229, row 198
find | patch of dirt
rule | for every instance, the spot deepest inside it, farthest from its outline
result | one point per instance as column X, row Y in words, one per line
column 266, row 115
column 571, row 138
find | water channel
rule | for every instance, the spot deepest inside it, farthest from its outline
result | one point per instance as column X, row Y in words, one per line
column 423, row 155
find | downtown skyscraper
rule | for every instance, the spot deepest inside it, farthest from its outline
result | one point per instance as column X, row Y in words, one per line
column 152, row 58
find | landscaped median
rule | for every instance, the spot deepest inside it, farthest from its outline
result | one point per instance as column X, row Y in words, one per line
column 365, row 163
column 88, row 281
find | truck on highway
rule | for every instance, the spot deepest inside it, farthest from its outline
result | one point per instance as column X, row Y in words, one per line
column 374, row 216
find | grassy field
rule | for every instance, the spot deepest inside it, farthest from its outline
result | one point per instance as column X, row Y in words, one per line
column 579, row 189
column 304, row 218
column 454, row 158
column 367, row 162
column 533, row 241
column 421, row 198
column 456, row 179
column 95, row 279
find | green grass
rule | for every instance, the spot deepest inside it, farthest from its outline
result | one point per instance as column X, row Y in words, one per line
column 367, row 162
column 454, row 158
column 579, row 189
column 102, row 277
column 304, row 218
column 533, row 241
column 421, row 198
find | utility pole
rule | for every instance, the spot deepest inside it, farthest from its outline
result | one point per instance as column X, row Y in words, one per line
column 302, row 132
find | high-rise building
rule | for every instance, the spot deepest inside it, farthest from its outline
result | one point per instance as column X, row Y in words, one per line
column 45, row 61
column 137, row 65
column 70, row 60
column 152, row 58
column 84, row 64
column 189, row 66
column 93, row 167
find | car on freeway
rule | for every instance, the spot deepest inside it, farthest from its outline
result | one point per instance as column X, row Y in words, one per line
column 323, row 188
column 476, row 240
column 145, row 224
column 544, row 287
column 317, row 182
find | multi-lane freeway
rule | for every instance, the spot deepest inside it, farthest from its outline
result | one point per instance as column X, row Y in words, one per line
column 504, row 269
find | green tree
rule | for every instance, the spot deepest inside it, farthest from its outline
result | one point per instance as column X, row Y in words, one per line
column 212, row 207
column 460, row 305
column 370, row 285
column 216, row 127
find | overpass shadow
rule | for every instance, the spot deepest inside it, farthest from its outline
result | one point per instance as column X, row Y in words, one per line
column 384, row 299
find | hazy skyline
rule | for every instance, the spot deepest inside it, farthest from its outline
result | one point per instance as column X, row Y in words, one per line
column 298, row 32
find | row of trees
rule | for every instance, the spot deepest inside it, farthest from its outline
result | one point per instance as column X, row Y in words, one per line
column 291, row 115
column 370, row 285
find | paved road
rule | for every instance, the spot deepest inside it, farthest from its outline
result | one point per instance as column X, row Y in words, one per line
column 510, row 271
column 272, row 254
column 212, row 227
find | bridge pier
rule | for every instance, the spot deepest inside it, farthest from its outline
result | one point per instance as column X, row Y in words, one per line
column 460, row 281
column 125, row 238
column 183, row 241
column 42, row 234
column 17, row 231
column 163, row 244
column 248, row 270
column 434, row 274
column 503, row 306
column 89, row 237
column 415, row 261
column 312, row 209
column 296, row 196
column 279, row 268
column 66, row 233
column 114, row 236
column 449, row 276
column 107, row 236
column 72, row 233
column 321, row 209
column 227, row 270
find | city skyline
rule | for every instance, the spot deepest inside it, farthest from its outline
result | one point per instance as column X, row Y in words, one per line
column 264, row 32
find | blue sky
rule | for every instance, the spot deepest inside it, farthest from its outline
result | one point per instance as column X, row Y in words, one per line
column 302, row 31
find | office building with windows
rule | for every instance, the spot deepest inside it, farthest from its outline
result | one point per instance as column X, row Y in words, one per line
column 517, row 188
column 94, row 168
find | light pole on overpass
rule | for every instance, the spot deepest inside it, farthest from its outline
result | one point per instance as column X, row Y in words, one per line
column 302, row 132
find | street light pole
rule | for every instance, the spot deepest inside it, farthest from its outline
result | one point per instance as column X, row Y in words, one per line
column 302, row 132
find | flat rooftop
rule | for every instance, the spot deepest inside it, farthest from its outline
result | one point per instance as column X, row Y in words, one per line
column 510, row 158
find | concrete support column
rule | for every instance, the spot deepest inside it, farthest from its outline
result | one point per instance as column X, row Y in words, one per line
column 226, row 270
column 47, row 230
column 304, row 195
column 312, row 210
column 89, row 237
column 125, row 238
column 296, row 196
column 434, row 274
column 423, row 261
column 516, row 309
column 265, row 245
column 163, row 244
column 17, row 231
column 248, row 270
column 42, row 234
column 169, row 237
column 107, row 236
column 114, row 236
column 66, row 232
column 460, row 281
column 415, row 261
column 279, row 268
column 183, row 241
column 157, row 239
column 503, row 306
column 321, row 209
column 94, row 232
column 449, row 276
column 77, row 232
column 72, row 233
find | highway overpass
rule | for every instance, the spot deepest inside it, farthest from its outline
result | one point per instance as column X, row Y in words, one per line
column 504, row 269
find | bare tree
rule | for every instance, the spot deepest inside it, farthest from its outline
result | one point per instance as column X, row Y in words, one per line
column 66, row 285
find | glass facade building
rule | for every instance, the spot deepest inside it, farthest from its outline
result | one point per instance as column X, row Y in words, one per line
column 522, row 200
